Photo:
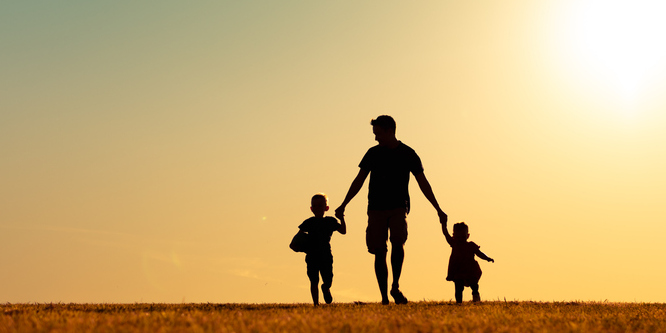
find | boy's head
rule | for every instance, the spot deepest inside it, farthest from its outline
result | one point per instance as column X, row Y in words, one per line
column 460, row 231
column 319, row 204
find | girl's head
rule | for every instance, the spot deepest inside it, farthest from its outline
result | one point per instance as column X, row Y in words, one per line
column 460, row 231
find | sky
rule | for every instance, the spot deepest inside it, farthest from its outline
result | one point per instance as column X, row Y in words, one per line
column 166, row 151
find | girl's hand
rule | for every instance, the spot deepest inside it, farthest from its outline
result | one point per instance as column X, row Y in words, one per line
column 491, row 260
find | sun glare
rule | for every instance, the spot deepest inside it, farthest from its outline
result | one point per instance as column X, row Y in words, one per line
column 621, row 42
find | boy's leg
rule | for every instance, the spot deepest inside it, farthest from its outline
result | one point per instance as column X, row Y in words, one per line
column 327, row 279
column 460, row 286
column 313, row 275
column 476, row 297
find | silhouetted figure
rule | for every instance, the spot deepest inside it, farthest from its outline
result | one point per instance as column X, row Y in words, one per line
column 464, row 271
column 319, row 258
column 389, row 164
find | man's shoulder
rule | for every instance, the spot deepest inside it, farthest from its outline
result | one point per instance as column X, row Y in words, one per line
column 374, row 149
column 400, row 147
column 405, row 147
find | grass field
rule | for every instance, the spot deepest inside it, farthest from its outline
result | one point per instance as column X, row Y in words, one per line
column 497, row 316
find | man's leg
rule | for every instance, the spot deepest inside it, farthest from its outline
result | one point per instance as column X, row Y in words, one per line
column 376, row 236
column 381, row 271
column 397, row 258
column 398, row 227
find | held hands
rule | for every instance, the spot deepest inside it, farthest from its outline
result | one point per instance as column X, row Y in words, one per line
column 340, row 212
column 443, row 218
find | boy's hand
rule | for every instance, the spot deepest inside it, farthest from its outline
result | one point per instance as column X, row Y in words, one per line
column 340, row 212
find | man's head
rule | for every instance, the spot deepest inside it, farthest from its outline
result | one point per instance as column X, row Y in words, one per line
column 319, row 204
column 385, row 122
column 384, row 129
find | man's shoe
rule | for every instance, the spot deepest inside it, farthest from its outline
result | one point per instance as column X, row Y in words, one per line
column 476, row 297
column 399, row 297
column 328, row 298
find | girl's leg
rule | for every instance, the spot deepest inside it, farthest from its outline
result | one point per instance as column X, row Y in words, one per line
column 476, row 297
column 460, row 286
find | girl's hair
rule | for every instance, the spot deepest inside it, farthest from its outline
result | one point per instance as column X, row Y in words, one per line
column 460, row 228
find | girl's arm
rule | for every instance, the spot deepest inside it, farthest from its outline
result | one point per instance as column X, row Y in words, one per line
column 343, row 226
column 483, row 256
column 445, row 231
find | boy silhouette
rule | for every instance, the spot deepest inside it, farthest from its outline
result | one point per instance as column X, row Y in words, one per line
column 318, row 257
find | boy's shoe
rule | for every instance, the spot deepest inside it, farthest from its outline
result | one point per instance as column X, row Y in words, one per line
column 398, row 297
column 476, row 297
column 328, row 298
column 385, row 302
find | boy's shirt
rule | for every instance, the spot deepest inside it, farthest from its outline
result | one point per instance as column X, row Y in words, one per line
column 320, row 230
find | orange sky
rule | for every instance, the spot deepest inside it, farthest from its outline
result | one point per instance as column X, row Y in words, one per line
column 167, row 152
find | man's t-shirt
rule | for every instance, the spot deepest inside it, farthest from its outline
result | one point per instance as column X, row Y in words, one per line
column 320, row 230
column 389, row 175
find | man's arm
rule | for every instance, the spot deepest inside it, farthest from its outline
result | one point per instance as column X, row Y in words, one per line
column 353, row 190
column 445, row 231
column 425, row 187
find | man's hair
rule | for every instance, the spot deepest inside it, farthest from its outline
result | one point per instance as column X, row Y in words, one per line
column 384, row 121
column 319, row 196
column 461, row 228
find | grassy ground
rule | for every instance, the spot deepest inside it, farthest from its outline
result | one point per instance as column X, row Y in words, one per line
column 372, row 317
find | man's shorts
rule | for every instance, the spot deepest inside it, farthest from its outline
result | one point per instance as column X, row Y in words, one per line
column 379, row 224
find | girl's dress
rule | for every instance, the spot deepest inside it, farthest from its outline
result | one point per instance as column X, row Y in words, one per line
column 462, row 266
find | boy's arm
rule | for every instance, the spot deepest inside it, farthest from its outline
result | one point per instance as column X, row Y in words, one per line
column 343, row 226
column 445, row 231
column 483, row 256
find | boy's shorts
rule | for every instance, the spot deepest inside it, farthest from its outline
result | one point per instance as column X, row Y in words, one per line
column 320, row 265
column 379, row 224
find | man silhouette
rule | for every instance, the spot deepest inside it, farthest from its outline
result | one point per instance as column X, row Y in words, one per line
column 389, row 164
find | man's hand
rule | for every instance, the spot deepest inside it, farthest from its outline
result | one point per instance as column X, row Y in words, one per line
column 340, row 212
column 443, row 218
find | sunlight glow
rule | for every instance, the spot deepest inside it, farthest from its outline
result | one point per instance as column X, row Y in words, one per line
column 621, row 41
